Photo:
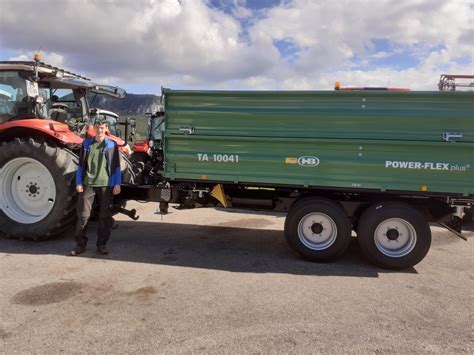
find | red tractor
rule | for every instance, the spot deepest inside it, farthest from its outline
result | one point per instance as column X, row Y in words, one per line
column 44, row 116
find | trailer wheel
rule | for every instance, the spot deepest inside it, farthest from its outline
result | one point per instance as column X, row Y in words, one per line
column 37, row 192
column 317, row 229
column 394, row 235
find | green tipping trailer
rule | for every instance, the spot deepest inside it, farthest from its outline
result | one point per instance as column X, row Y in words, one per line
column 377, row 140
column 382, row 163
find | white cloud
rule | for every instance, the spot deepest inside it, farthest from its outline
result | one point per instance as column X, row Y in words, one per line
column 331, row 34
column 51, row 58
column 190, row 43
column 133, row 40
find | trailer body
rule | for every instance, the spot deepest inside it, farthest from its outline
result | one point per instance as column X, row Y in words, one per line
column 407, row 142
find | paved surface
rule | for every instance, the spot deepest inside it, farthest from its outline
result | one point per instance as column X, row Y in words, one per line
column 206, row 281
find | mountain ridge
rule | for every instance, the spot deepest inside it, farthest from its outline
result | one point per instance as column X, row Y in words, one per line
column 130, row 105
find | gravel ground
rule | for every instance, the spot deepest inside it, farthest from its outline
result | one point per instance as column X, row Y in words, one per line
column 207, row 281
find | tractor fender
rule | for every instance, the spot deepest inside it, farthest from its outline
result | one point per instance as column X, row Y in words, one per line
column 56, row 130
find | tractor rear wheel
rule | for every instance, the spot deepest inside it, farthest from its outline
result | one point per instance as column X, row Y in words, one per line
column 37, row 189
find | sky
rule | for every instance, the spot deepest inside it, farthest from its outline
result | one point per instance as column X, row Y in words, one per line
column 142, row 45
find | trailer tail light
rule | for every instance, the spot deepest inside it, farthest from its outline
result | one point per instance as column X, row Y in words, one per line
column 59, row 127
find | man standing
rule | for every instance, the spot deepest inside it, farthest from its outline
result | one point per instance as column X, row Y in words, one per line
column 98, row 176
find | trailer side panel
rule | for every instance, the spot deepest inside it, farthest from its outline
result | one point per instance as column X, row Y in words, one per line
column 363, row 139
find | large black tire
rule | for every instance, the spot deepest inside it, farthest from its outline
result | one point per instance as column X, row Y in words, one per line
column 394, row 235
column 61, row 164
column 318, row 229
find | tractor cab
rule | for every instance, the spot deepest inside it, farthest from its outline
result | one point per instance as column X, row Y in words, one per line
column 35, row 90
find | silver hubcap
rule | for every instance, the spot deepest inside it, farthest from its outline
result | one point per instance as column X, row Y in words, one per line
column 317, row 231
column 28, row 191
column 395, row 237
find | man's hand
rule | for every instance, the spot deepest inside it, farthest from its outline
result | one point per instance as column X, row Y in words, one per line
column 116, row 190
column 80, row 188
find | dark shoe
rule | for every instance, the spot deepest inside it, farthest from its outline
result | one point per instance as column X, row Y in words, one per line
column 77, row 251
column 102, row 250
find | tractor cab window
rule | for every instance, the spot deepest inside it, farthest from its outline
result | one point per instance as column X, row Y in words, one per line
column 14, row 99
column 63, row 105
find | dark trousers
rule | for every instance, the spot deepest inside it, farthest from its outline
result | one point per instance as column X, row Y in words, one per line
column 84, row 207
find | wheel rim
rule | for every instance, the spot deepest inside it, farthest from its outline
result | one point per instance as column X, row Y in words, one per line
column 317, row 231
column 395, row 237
column 28, row 190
